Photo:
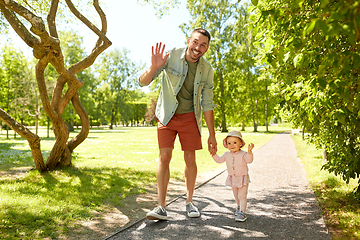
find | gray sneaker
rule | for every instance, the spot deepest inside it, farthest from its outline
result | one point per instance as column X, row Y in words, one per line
column 237, row 211
column 241, row 217
column 158, row 213
column 191, row 210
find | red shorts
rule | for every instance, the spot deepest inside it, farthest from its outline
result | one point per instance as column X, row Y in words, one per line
column 183, row 124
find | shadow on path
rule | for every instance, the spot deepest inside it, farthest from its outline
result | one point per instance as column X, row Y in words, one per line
column 280, row 205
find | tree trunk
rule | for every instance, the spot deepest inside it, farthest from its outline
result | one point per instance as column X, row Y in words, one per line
column 36, row 113
column 113, row 112
column 36, row 124
column 357, row 192
column 303, row 133
column 253, row 111
column 254, row 122
column 222, row 104
column 325, row 155
column 257, row 112
column 266, row 111
column 85, row 123
column 48, row 127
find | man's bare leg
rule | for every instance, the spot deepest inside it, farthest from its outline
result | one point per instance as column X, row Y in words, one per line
column 190, row 173
column 190, row 179
column 163, row 174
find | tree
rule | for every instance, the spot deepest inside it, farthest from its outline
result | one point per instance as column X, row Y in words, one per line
column 45, row 42
column 232, row 56
column 313, row 48
column 73, row 53
column 15, row 82
column 247, row 53
column 218, row 17
column 120, row 74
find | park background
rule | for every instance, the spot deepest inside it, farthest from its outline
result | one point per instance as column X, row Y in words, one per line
column 278, row 66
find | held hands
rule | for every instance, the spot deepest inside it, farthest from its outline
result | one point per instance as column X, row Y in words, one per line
column 157, row 58
column 212, row 145
column 250, row 147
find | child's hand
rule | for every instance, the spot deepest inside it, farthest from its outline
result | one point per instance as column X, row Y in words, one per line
column 250, row 147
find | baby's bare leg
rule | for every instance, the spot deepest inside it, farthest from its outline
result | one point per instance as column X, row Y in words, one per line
column 242, row 196
column 236, row 195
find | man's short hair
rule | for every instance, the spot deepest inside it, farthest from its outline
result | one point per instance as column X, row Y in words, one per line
column 203, row 32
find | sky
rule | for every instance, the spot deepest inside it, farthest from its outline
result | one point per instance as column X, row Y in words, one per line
column 137, row 28
column 132, row 26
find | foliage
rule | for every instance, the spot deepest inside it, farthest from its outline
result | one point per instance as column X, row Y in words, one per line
column 232, row 54
column 17, row 86
column 313, row 49
column 218, row 18
column 117, row 79
column 162, row 7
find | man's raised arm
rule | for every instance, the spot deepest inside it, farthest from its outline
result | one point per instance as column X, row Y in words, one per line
column 157, row 61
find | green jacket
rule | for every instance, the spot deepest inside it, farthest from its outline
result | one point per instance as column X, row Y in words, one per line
column 175, row 70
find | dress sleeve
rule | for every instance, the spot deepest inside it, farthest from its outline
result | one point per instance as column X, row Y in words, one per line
column 249, row 157
column 219, row 159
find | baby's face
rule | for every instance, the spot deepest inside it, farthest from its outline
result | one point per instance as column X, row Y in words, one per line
column 233, row 144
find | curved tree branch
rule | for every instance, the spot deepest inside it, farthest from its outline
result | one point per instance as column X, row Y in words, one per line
column 103, row 20
column 86, row 21
column 56, row 96
column 19, row 28
column 39, row 73
column 51, row 18
column 38, row 26
column 85, row 123
column 33, row 139
column 100, row 46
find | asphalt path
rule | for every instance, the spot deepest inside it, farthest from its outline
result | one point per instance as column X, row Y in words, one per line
column 280, row 204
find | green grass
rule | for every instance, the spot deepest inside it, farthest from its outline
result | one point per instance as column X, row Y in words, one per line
column 340, row 207
column 108, row 167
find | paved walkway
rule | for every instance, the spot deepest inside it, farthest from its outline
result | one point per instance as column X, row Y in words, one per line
column 280, row 205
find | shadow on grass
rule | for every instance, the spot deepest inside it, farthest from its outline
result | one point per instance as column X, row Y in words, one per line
column 340, row 209
column 49, row 204
column 10, row 157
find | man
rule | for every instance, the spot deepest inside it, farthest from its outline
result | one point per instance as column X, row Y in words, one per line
column 186, row 89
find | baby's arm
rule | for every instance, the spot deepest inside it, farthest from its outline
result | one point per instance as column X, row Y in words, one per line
column 250, row 147
column 249, row 156
column 218, row 159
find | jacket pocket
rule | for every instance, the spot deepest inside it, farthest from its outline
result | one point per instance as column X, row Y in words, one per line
column 173, row 72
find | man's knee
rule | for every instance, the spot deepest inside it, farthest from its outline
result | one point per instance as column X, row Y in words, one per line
column 189, row 157
column 165, row 155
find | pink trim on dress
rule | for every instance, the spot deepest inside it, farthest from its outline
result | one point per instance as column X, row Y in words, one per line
column 237, row 181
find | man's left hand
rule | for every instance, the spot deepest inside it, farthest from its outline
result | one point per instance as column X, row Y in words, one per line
column 212, row 145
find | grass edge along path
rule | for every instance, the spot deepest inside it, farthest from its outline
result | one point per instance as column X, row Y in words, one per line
column 340, row 208
column 110, row 166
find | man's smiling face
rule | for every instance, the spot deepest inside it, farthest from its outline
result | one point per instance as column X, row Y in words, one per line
column 197, row 44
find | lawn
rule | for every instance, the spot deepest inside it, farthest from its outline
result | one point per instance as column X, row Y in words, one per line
column 340, row 207
column 108, row 167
